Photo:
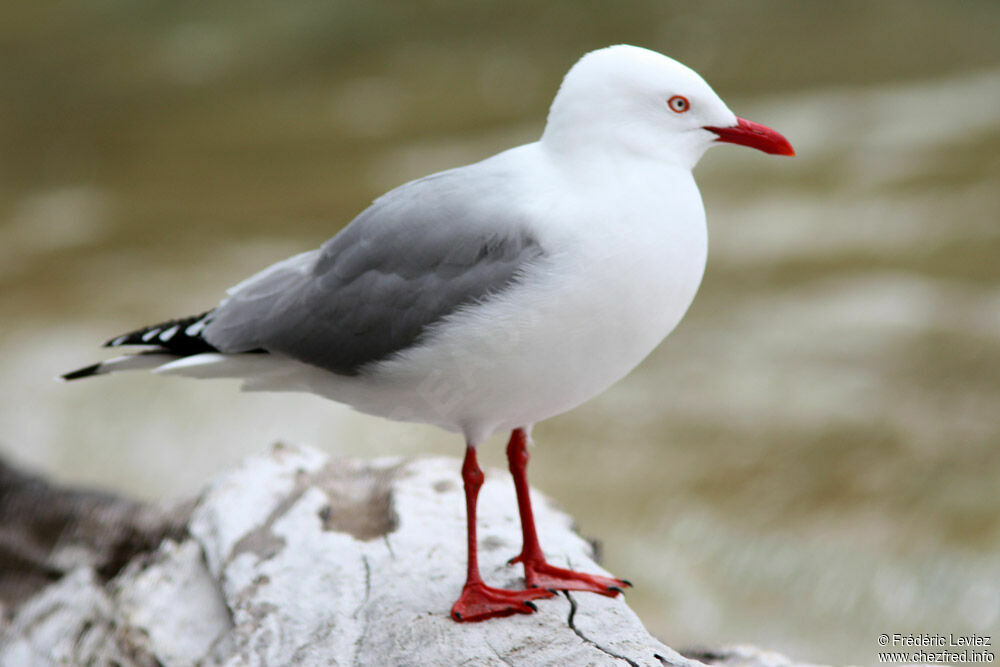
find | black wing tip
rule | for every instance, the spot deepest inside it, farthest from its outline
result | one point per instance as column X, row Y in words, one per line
column 115, row 342
column 171, row 336
column 82, row 373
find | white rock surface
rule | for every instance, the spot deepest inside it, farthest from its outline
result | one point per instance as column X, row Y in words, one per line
column 296, row 559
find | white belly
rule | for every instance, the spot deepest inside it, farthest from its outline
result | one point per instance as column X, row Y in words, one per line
column 577, row 323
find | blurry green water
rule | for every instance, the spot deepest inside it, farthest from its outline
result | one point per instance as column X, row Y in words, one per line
column 811, row 458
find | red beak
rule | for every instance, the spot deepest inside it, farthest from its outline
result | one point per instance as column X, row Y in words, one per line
column 754, row 135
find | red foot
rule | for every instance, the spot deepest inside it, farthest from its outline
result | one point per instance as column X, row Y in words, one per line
column 479, row 602
column 542, row 575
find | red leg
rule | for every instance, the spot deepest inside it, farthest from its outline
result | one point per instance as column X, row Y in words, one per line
column 537, row 572
column 478, row 601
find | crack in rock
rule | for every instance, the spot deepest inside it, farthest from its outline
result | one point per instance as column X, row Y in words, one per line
column 572, row 625
column 499, row 656
column 368, row 586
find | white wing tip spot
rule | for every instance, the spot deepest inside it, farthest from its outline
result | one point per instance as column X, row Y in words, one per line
column 169, row 333
column 196, row 328
column 150, row 335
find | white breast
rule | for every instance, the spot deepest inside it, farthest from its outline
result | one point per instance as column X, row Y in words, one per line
column 620, row 276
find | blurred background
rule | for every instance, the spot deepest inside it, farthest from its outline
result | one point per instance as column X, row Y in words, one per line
column 809, row 460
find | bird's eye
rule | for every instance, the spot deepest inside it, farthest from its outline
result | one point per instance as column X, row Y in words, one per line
column 678, row 103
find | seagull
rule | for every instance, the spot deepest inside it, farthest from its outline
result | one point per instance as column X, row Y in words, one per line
column 490, row 297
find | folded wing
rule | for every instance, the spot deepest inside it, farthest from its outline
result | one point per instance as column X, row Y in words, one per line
column 416, row 255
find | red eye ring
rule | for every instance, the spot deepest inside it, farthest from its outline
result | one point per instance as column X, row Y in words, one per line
column 678, row 104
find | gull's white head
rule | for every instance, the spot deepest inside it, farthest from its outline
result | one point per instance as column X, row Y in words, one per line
column 629, row 100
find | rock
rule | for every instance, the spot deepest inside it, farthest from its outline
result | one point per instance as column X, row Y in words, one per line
column 46, row 532
column 294, row 558
column 741, row 656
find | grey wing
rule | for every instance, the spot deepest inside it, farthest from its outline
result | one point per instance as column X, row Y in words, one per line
column 416, row 255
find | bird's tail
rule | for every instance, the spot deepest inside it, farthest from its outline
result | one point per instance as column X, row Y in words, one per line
column 168, row 341
column 128, row 362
